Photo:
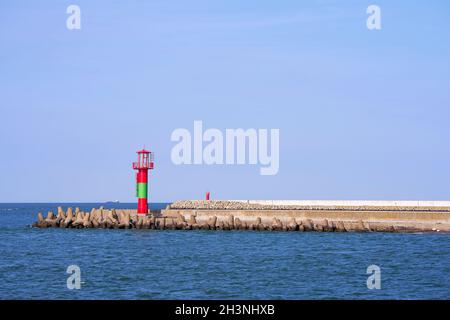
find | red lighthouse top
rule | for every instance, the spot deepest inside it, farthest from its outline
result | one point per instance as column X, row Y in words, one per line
column 145, row 160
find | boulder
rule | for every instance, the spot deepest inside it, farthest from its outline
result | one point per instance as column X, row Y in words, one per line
column 50, row 216
column 152, row 222
column 307, row 225
column 69, row 219
column 339, row 226
column 276, row 224
column 230, row 222
column 180, row 218
column 125, row 221
column 261, row 227
column 78, row 219
column 205, row 225
column 51, row 219
column 140, row 222
column 212, row 223
column 169, row 223
column 292, row 224
column 93, row 215
column 60, row 217
column 195, row 226
column 237, row 224
column 357, row 226
column 86, row 221
column 40, row 223
column 146, row 224
column 192, row 220
column 162, row 223
column 94, row 223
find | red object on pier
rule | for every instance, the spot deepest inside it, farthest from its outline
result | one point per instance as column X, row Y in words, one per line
column 207, row 195
column 143, row 164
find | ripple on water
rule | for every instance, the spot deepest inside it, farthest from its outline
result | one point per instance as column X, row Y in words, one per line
column 148, row 264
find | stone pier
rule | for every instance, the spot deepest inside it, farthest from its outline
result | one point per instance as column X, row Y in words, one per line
column 317, row 215
column 259, row 215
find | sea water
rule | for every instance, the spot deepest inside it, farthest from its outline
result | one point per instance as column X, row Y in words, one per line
column 154, row 264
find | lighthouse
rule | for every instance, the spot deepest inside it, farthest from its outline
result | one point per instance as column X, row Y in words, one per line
column 143, row 164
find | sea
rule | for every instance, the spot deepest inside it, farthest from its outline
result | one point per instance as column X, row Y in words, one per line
column 155, row 264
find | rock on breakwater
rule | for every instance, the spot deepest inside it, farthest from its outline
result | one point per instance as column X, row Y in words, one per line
column 104, row 219
column 386, row 216
column 425, row 206
column 205, row 218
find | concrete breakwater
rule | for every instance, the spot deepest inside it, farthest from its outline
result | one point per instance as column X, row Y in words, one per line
column 96, row 218
column 333, row 205
column 384, row 216
column 261, row 215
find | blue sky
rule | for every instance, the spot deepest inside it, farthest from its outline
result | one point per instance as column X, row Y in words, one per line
column 362, row 114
